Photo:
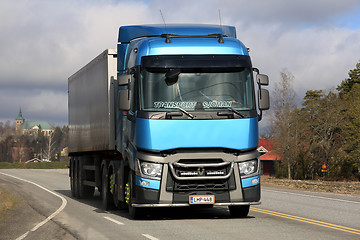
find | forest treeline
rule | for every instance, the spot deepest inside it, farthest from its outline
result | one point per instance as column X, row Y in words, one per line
column 325, row 129
column 15, row 147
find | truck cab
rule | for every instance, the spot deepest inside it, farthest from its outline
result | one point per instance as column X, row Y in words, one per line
column 188, row 121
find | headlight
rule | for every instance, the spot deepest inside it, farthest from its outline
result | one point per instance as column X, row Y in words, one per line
column 150, row 170
column 248, row 167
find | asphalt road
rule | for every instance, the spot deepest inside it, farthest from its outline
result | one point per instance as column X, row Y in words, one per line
column 49, row 212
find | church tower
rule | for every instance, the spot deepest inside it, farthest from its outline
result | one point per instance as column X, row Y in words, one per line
column 19, row 121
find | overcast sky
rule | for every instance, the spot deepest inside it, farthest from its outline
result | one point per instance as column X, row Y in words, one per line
column 43, row 42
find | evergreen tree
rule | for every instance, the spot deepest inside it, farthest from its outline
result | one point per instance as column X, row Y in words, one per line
column 351, row 164
column 347, row 84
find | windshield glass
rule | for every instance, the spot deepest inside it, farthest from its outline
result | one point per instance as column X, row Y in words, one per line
column 197, row 89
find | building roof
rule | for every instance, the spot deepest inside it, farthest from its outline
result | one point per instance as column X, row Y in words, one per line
column 30, row 124
column 266, row 146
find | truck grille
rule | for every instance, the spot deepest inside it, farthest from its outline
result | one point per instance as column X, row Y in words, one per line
column 214, row 185
column 211, row 175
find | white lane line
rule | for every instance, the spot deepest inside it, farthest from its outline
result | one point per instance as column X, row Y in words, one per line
column 305, row 195
column 149, row 237
column 114, row 221
column 63, row 204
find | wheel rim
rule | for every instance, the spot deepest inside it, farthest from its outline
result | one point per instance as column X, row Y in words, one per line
column 127, row 193
column 112, row 183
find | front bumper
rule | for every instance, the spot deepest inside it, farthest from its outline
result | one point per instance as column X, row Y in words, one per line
column 171, row 192
column 187, row 205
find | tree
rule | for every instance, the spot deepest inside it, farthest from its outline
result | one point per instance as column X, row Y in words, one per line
column 325, row 130
column 49, row 150
column 324, row 117
column 347, row 84
column 5, row 149
column 283, row 103
column 6, row 141
column 351, row 162
column 349, row 91
column 40, row 143
column 21, row 148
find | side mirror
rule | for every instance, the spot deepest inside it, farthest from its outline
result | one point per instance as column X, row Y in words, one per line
column 124, row 100
column 264, row 99
column 262, row 79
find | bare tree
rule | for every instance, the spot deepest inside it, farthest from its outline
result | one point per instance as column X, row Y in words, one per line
column 283, row 104
column 50, row 147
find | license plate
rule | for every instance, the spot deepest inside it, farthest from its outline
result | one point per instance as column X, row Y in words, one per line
column 201, row 199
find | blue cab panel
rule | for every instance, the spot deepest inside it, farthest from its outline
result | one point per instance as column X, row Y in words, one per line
column 147, row 40
column 147, row 183
column 159, row 135
column 250, row 182
column 128, row 33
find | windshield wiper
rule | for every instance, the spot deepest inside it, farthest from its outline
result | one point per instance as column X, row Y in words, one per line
column 181, row 110
column 231, row 110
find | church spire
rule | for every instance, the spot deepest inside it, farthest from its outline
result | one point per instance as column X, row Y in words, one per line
column 19, row 121
column 20, row 117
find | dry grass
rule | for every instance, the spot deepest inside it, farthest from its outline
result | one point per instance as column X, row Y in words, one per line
column 316, row 186
column 8, row 202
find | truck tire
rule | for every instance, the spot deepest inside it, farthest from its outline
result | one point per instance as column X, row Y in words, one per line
column 107, row 199
column 121, row 180
column 76, row 178
column 114, row 190
column 72, row 180
column 135, row 213
column 239, row 211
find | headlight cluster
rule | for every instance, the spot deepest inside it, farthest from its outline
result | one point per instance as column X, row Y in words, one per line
column 150, row 170
column 248, row 167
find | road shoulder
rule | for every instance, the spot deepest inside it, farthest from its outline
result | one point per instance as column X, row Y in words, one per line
column 24, row 216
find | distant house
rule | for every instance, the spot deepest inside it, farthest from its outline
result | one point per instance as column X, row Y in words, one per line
column 268, row 157
column 33, row 160
column 32, row 127
column 36, row 160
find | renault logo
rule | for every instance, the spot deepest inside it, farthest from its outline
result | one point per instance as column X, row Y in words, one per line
column 201, row 171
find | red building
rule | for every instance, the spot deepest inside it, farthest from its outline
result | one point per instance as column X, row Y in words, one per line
column 268, row 157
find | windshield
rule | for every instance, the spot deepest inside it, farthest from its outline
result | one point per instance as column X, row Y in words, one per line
column 197, row 89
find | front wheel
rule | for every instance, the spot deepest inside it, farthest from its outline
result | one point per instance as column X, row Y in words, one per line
column 239, row 211
column 134, row 212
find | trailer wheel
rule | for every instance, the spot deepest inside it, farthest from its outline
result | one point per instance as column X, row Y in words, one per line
column 107, row 201
column 135, row 213
column 239, row 211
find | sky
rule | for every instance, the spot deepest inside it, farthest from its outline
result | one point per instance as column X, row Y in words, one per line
column 43, row 42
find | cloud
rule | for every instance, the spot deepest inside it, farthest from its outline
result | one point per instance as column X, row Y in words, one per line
column 44, row 42
column 36, row 104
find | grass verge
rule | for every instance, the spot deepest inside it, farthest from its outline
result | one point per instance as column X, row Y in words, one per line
column 38, row 165
column 312, row 185
column 8, row 201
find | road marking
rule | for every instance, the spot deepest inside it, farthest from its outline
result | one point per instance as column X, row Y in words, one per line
column 114, row 221
column 312, row 196
column 307, row 220
column 63, row 204
column 149, row 237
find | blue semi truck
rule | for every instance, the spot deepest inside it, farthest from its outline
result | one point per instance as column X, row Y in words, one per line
column 168, row 119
